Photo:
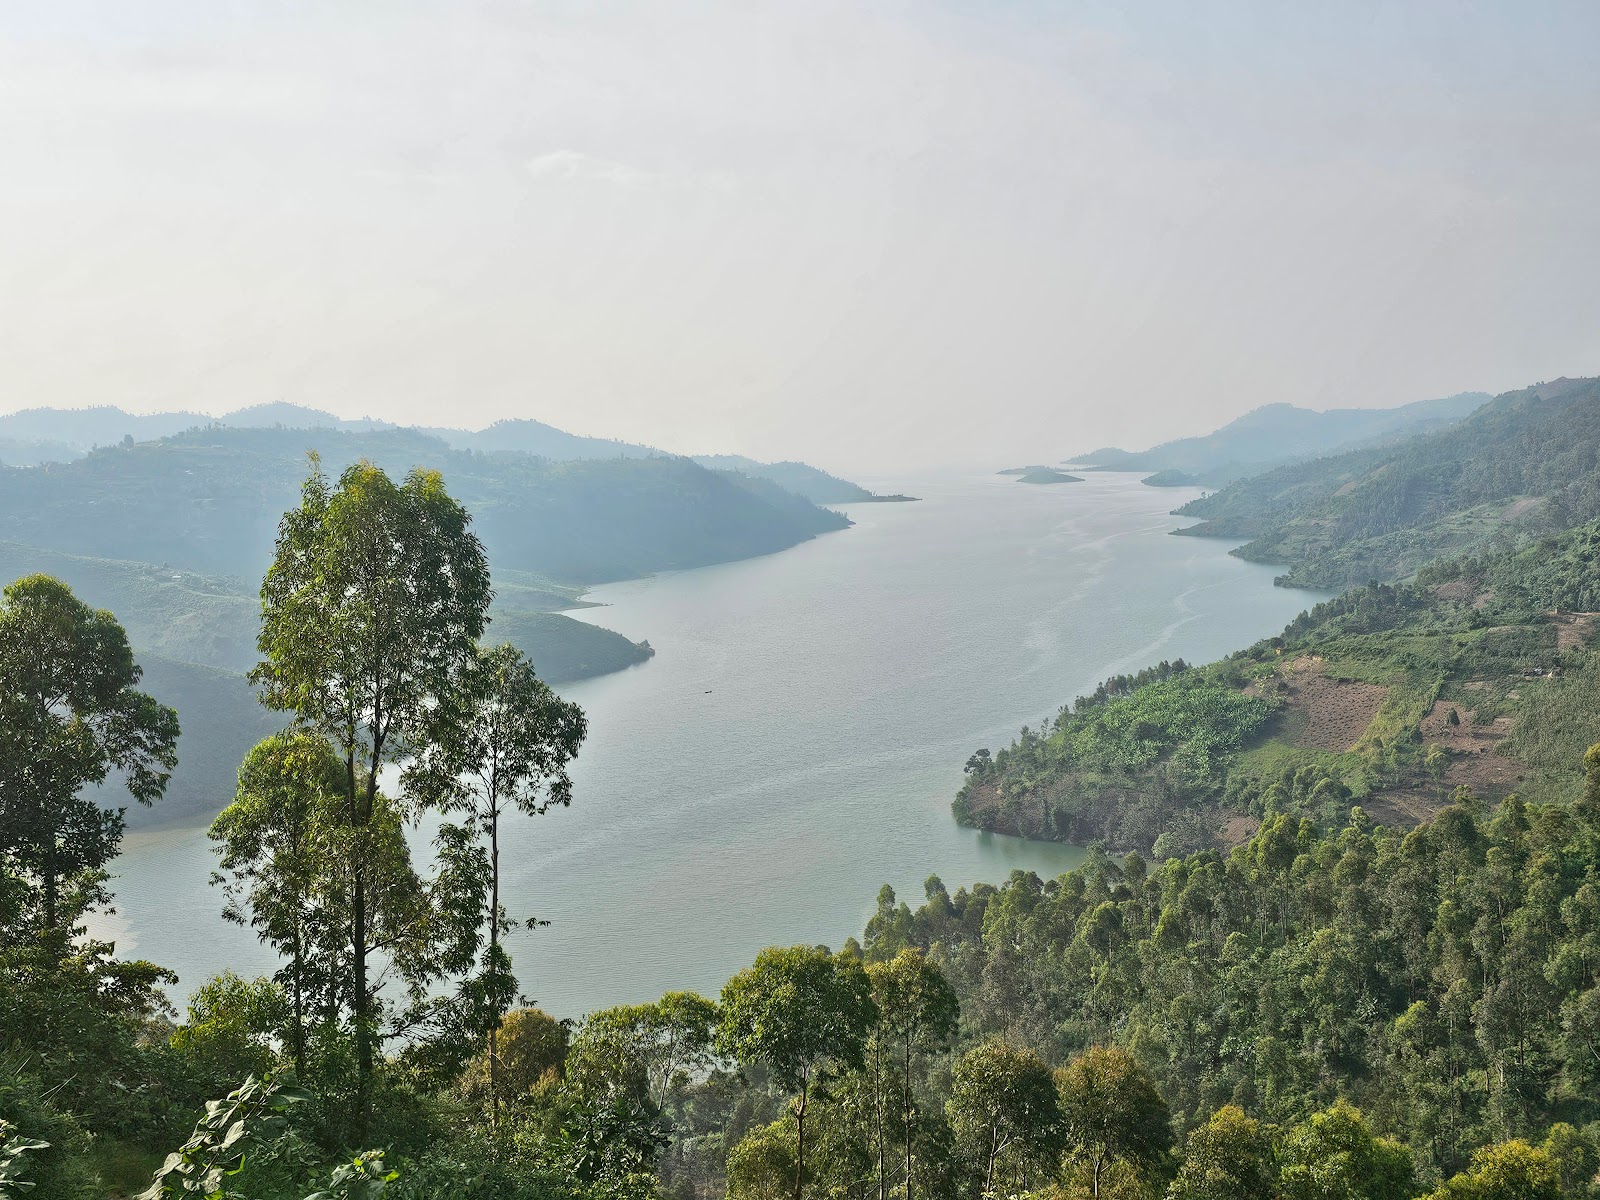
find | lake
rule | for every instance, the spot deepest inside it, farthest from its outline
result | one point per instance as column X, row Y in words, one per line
column 797, row 740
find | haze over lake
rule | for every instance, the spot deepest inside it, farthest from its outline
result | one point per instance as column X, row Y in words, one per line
column 798, row 738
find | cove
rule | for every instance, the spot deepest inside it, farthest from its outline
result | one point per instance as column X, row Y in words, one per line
column 797, row 739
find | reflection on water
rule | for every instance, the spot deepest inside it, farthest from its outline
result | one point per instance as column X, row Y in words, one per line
column 798, row 737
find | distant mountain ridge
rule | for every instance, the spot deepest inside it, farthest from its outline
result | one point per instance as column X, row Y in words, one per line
column 77, row 431
column 44, row 435
column 1278, row 434
column 208, row 500
column 1522, row 465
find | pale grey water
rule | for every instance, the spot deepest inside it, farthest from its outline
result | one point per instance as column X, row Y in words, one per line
column 798, row 737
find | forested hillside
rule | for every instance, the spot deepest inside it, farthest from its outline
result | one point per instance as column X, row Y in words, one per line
column 204, row 501
column 1525, row 463
column 1329, row 1009
column 196, row 635
column 1277, row 434
column 1483, row 673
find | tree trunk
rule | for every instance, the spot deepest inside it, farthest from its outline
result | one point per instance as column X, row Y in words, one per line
column 362, row 1003
column 52, row 874
column 297, row 978
column 50, row 889
column 800, row 1143
column 494, row 957
column 909, row 1115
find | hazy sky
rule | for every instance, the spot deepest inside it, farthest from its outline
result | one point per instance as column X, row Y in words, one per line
column 873, row 235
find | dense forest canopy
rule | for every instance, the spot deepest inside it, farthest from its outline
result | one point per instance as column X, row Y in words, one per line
column 1358, row 957
column 1328, row 1010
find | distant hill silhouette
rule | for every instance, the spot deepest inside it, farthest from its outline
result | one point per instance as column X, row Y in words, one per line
column 1278, row 434
column 1522, row 464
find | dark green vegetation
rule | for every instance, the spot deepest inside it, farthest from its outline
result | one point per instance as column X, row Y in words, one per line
column 1200, row 1029
column 1520, row 466
column 196, row 637
column 1483, row 672
column 1281, row 433
column 71, row 715
column 167, row 533
column 202, row 501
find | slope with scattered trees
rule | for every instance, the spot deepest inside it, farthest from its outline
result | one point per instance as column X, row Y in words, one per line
column 1483, row 672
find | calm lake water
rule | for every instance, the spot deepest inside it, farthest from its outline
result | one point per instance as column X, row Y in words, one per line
column 798, row 737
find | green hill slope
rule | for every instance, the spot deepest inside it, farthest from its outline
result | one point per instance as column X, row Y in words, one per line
column 208, row 500
column 1482, row 673
column 1524, row 464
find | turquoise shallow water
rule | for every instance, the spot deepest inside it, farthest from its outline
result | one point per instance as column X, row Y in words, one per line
column 798, row 737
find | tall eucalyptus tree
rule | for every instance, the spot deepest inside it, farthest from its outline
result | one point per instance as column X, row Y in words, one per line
column 371, row 611
column 503, row 745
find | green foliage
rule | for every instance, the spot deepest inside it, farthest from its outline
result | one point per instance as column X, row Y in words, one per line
column 251, row 1115
column 232, row 1024
column 802, row 1014
column 1334, row 1156
column 277, row 844
column 1444, row 979
column 1005, row 1114
column 70, row 715
column 501, row 742
column 362, row 1178
column 642, row 1052
column 1510, row 1170
column 13, row 1167
column 532, row 1046
column 1230, row 1157
column 1172, row 752
column 370, row 613
column 763, row 1165
column 1111, row 1114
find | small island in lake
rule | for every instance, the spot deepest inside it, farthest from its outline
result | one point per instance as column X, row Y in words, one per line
column 1037, row 474
column 1170, row 477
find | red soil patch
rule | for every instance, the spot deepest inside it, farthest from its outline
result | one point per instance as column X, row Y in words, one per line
column 1403, row 809
column 1237, row 830
column 1473, row 749
column 1572, row 629
column 1336, row 712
